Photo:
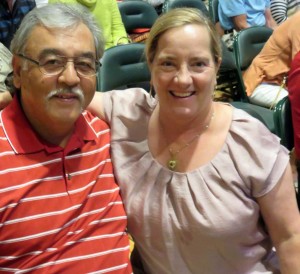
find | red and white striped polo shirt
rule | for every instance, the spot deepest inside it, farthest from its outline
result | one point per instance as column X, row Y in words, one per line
column 60, row 209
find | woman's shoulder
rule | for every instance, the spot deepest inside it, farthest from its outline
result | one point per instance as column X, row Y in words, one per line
column 248, row 132
column 245, row 121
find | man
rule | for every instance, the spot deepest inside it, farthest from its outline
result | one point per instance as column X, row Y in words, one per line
column 12, row 13
column 235, row 15
column 60, row 207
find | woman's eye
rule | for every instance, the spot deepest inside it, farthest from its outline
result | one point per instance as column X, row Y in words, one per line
column 167, row 64
column 200, row 64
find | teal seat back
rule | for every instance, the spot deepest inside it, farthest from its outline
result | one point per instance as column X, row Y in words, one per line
column 229, row 73
column 247, row 44
column 229, row 81
column 198, row 4
column 213, row 6
column 122, row 67
column 283, row 122
column 137, row 14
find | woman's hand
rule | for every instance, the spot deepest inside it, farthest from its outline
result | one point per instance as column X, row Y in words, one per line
column 5, row 99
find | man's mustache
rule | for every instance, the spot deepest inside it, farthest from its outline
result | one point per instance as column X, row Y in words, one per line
column 76, row 91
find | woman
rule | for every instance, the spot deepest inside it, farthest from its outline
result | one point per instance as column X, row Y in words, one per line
column 196, row 175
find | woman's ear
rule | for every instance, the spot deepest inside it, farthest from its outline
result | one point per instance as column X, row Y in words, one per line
column 218, row 64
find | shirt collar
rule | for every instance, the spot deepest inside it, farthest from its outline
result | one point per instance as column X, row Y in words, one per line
column 23, row 138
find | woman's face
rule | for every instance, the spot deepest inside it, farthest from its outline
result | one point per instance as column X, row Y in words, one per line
column 183, row 72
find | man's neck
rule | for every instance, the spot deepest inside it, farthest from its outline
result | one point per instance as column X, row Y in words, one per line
column 56, row 134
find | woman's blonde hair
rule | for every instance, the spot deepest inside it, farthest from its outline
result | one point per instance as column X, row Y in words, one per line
column 179, row 17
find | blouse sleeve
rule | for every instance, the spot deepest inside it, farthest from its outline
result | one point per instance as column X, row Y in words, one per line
column 125, row 104
column 257, row 154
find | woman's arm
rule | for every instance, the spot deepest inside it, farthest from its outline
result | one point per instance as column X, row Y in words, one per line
column 96, row 105
column 5, row 99
column 281, row 215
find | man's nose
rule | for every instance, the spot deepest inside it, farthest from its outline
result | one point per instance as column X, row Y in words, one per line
column 69, row 74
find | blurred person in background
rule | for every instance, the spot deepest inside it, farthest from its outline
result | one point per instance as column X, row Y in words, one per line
column 282, row 9
column 265, row 78
column 235, row 15
column 107, row 14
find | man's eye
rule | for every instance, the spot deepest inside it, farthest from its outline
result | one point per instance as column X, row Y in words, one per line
column 52, row 62
column 85, row 65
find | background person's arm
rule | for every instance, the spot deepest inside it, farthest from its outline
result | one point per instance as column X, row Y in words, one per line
column 240, row 22
column 270, row 22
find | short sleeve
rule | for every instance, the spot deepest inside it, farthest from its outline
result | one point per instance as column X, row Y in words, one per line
column 259, row 157
column 232, row 7
column 124, row 107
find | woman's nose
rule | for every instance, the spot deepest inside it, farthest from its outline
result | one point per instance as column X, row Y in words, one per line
column 183, row 75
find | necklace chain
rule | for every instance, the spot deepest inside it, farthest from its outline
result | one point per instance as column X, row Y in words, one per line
column 172, row 163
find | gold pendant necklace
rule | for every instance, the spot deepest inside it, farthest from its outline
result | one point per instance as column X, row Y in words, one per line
column 172, row 163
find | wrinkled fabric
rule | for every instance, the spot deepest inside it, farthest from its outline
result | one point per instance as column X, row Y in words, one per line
column 203, row 221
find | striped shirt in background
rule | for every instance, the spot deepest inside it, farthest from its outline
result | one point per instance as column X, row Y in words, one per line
column 60, row 209
column 282, row 9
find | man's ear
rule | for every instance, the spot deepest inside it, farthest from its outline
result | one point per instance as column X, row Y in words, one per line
column 17, row 67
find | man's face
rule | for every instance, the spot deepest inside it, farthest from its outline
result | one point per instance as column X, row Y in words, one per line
column 40, row 100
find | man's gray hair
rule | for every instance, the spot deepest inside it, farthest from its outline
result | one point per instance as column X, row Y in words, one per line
column 60, row 16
